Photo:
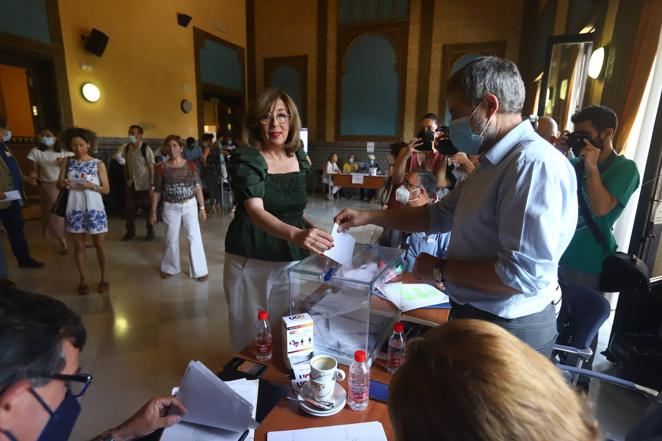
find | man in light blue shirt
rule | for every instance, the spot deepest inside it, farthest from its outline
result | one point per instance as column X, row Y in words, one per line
column 511, row 220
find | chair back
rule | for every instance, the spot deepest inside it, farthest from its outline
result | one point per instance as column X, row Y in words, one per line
column 583, row 312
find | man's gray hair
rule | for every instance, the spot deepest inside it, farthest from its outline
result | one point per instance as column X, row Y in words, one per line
column 494, row 75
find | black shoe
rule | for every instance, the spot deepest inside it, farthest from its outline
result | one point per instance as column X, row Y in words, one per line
column 150, row 236
column 32, row 264
column 128, row 236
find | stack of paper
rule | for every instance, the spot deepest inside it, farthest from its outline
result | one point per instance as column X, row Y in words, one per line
column 216, row 410
column 372, row 431
column 408, row 296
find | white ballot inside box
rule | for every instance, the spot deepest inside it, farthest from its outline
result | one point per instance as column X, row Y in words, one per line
column 336, row 291
column 217, row 410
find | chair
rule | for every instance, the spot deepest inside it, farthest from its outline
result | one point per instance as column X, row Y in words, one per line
column 649, row 428
column 318, row 179
column 582, row 314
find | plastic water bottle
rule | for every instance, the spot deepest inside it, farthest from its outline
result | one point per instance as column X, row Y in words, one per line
column 396, row 348
column 359, row 382
column 263, row 339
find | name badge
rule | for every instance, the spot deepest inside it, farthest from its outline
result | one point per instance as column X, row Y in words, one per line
column 8, row 154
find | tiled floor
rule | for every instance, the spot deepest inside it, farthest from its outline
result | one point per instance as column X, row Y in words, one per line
column 141, row 335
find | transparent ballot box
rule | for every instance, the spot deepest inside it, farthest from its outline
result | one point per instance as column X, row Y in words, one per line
column 346, row 315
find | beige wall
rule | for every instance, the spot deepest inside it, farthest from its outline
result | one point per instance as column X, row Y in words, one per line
column 472, row 21
column 284, row 29
column 282, row 32
column 148, row 66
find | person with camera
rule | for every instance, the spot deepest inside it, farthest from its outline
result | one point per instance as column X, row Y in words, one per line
column 607, row 182
column 509, row 219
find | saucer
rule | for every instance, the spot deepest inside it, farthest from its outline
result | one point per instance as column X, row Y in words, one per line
column 339, row 399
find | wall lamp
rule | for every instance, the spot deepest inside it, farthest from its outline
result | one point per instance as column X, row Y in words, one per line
column 597, row 62
column 91, row 92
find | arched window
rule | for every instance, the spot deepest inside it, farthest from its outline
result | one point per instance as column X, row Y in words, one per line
column 289, row 74
column 370, row 88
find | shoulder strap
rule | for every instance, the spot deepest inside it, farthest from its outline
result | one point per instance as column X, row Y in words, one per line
column 585, row 210
column 143, row 150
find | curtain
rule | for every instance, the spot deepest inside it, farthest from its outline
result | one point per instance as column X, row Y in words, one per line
column 644, row 50
column 637, row 144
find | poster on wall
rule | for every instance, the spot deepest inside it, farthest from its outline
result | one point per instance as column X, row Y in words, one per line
column 303, row 134
column 370, row 147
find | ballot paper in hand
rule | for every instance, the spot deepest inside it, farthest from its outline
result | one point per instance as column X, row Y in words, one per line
column 343, row 247
column 213, row 403
column 408, row 296
column 12, row 195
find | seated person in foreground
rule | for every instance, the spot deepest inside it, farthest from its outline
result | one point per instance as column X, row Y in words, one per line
column 40, row 378
column 472, row 380
column 421, row 187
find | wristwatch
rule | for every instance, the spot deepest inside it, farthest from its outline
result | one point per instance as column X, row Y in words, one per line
column 437, row 274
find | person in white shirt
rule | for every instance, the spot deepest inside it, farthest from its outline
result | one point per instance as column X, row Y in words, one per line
column 330, row 169
column 46, row 159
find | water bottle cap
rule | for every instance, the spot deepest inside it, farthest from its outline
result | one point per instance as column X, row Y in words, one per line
column 398, row 327
column 262, row 315
column 359, row 356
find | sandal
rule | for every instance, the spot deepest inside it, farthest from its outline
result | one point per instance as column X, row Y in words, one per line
column 203, row 278
column 83, row 289
column 103, row 287
column 165, row 275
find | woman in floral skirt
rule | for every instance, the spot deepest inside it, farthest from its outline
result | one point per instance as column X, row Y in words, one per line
column 87, row 179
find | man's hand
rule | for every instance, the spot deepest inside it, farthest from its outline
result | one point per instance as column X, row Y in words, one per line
column 425, row 265
column 203, row 215
column 152, row 416
column 348, row 218
column 590, row 154
column 2, row 196
column 562, row 142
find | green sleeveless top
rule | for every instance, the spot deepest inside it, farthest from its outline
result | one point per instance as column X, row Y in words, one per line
column 283, row 195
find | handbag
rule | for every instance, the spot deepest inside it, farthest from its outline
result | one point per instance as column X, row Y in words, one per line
column 59, row 208
column 620, row 271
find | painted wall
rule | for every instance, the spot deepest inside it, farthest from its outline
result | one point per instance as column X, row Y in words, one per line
column 148, row 66
column 16, row 100
column 27, row 19
column 280, row 32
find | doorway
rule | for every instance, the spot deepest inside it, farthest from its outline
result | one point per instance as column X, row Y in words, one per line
column 222, row 113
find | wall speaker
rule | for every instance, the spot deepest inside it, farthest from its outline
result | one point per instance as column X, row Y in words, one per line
column 96, row 42
column 183, row 20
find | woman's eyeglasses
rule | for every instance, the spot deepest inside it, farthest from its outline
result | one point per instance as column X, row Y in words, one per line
column 281, row 118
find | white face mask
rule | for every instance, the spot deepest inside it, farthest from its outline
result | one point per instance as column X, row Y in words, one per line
column 402, row 194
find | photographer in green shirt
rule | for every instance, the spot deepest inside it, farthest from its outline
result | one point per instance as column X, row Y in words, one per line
column 607, row 183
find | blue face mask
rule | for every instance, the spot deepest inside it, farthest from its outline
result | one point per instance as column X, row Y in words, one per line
column 7, row 136
column 48, row 141
column 132, row 139
column 351, row 161
column 62, row 420
column 463, row 138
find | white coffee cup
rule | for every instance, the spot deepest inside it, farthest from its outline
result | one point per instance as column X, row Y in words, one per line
column 322, row 391
column 323, row 375
column 324, row 367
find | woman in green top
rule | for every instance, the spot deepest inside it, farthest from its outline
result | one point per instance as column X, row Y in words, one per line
column 269, row 230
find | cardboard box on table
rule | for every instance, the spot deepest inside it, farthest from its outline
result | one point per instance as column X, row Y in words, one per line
column 338, row 300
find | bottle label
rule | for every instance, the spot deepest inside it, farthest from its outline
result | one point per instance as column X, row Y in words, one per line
column 359, row 394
